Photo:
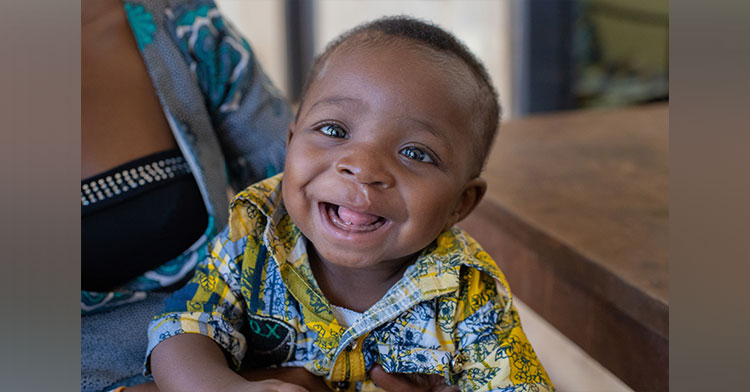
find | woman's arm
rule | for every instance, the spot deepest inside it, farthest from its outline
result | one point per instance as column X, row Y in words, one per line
column 249, row 114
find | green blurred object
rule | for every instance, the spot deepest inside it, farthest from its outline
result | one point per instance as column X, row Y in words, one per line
column 621, row 52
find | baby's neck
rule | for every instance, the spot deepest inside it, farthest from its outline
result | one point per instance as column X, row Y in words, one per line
column 356, row 288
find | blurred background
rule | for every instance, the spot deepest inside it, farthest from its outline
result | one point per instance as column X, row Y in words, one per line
column 543, row 55
column 599, row 320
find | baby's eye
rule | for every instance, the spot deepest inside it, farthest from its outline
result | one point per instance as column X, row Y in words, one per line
column 416, row 154
column 333, row 130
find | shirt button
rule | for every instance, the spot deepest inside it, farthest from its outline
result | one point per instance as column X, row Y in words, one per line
column 340, row 386
column 457, row 363
column 352, row 346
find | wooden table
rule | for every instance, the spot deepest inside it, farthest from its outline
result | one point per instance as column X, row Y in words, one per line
column 576, row 215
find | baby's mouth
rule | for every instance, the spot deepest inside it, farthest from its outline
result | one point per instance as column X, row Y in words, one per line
column 350, row 220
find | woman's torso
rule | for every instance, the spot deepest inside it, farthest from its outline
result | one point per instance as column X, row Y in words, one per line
column 121, row 117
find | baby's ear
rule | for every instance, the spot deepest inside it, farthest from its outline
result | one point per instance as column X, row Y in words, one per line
column 472, row 194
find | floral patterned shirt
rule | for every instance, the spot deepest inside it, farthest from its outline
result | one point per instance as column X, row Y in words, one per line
column 451, row 314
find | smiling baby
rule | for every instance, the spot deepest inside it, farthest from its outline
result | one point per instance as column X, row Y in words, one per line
column 348, row 265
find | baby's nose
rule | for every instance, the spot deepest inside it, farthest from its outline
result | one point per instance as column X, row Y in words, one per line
column 367, row 169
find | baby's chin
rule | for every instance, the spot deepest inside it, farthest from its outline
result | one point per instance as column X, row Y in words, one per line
column 364, row 259
column 339, row 258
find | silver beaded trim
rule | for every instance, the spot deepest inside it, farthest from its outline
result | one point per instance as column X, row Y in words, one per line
column 128, row 179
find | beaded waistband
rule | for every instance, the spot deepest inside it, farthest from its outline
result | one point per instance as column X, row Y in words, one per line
column 135, row 175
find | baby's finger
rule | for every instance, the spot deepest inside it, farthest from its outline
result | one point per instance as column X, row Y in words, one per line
column 275, row 386
column 391, row 382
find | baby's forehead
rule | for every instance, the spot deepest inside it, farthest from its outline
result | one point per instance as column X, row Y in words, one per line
column 359, row 57
column 405, row 69
column 360, row 45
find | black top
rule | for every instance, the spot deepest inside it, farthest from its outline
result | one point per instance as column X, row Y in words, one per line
column 136, row 217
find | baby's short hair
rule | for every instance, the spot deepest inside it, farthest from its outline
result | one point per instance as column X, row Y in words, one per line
column 393, row 29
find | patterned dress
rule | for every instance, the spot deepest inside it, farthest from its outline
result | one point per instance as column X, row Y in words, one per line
column 229, row 122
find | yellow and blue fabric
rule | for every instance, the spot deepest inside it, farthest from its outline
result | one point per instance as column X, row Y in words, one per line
column 255, row 295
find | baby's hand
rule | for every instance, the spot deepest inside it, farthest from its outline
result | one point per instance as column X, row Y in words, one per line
column 409, row 383
column 244, row 386
column 297, row 376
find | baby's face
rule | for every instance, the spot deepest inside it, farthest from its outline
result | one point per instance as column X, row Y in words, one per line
column 379, row 161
